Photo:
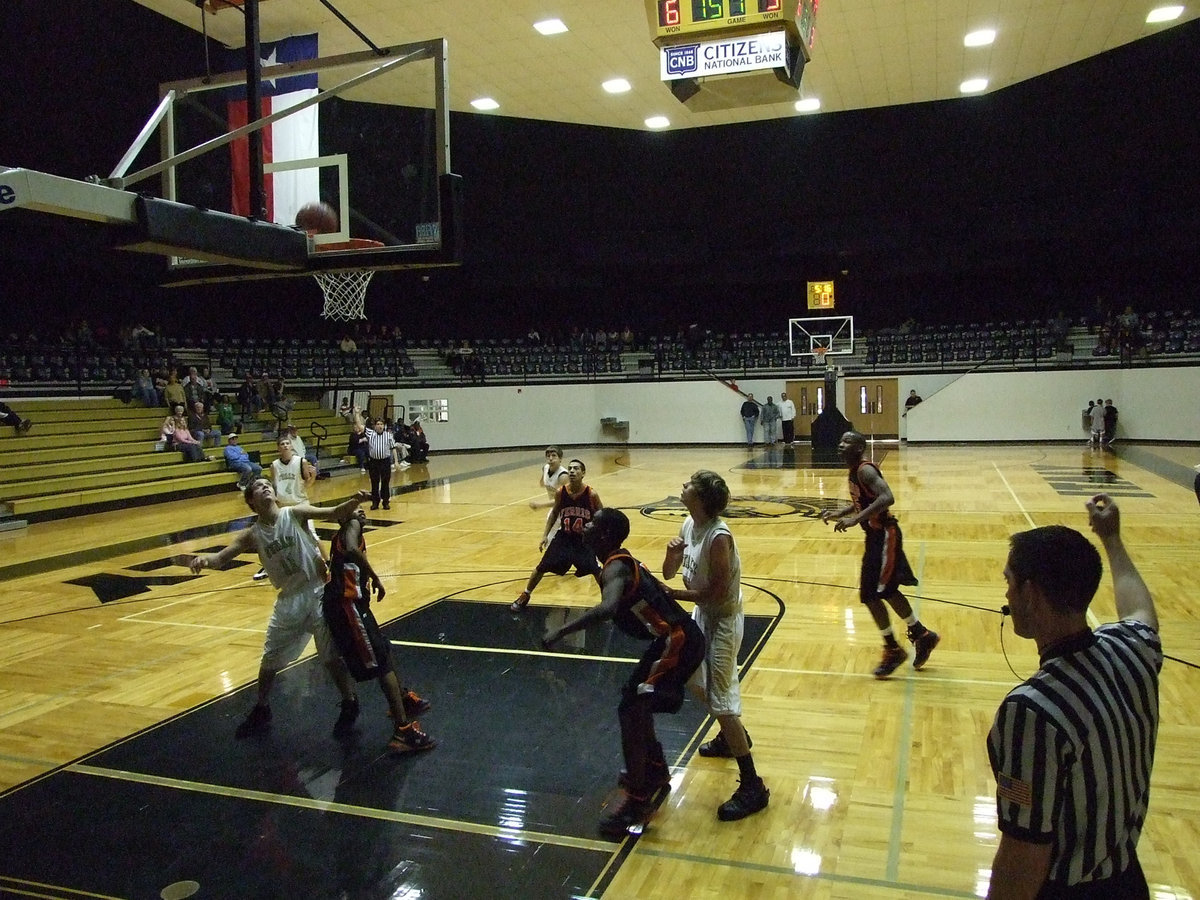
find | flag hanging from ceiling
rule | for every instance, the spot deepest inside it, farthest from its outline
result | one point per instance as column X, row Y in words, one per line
column 293, row 137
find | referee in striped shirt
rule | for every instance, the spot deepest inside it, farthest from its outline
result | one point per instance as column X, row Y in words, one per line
column 381, row 456
column 1072, row 747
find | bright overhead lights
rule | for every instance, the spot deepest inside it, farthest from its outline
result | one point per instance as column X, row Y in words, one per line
column 658, row 122
column 1164, row 14
column 485, row 103
column 808, row 104
column 616, row 86
column 980, row 38
column 550, row 26
column 973, row 86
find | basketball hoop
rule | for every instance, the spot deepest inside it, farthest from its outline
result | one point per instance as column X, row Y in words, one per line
column 819, row 356
column 345, row 290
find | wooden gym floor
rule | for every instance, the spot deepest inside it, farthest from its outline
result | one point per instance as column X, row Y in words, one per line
column 123, row 677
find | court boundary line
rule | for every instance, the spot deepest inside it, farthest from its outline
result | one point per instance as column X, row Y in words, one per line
column 311, row 803
column 833, row 877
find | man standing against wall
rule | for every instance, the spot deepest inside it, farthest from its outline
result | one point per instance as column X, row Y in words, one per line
column 749, row 413
column 787, row 413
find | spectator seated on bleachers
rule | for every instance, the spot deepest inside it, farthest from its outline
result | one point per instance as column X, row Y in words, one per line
column 417, row 442
column 175, row 436
column 223, row 410
column 144, row 390
column 357, row 445
column 172, row 392
column 200, row 425
column 8, row 417
column 248, row 398
column 238, row 460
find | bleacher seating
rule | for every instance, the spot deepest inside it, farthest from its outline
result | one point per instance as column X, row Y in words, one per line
column 85, row 454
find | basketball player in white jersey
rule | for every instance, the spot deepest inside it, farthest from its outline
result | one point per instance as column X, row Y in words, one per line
column 292, row 559
column 554, row 476
column 706, row 554
column 293, row 475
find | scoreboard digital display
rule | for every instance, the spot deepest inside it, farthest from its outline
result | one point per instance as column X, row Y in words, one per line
column 692, row 17
column 671, row 12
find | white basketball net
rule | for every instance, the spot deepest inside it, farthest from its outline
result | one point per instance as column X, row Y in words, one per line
column 345, row 290
column 819, row 355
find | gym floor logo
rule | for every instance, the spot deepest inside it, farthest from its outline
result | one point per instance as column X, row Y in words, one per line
column 754, row 507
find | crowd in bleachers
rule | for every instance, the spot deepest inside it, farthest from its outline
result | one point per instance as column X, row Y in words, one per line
column 141, row 360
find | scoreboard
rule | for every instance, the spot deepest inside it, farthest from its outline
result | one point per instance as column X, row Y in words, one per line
column 690, row 19
column 820, row 295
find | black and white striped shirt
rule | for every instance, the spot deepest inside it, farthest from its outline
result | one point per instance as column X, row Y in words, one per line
column 379, row 446
column 1072, row 749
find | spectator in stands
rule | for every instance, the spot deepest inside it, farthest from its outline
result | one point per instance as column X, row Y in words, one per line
column 210, row 388
column 141, row 334
column 1129, row 335
column 8, row 417
column 199, row 423
column 176, row 436
column 357, row 446
column 403, row 438
column 352, row 413
column 195, row 388
column 418, row 443
column 1060, row 330
column 247, row 397
column 238, row 460
column 268, row 394
column 143, row 388
column 627, row 339
column 347, row 345
column 172, row 392
column 224, row 412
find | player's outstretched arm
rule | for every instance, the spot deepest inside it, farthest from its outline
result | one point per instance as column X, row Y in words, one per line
column 614, row 581
column 305, row 511
column 1132, row 596
column 243, row 542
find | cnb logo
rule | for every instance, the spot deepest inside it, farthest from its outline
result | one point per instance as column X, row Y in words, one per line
column 682, row 60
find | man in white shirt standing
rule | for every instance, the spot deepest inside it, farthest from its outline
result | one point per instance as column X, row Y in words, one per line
column 787, row 413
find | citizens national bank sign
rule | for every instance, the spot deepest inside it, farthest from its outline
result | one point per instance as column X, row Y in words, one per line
column 747, row 53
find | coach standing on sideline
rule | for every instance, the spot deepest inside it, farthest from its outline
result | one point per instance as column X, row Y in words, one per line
column 381, row 456
column 1072, row 747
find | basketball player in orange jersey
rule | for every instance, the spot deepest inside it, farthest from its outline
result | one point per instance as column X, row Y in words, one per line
column 367, row 653
column 574, row 505
column 884, row 565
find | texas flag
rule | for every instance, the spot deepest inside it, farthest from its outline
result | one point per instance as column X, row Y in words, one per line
column 290, row 138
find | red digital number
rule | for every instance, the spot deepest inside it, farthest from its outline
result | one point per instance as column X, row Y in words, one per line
column 668, row 12
column 769, row 5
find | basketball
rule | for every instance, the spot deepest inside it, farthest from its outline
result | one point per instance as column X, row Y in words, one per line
column 317, row 218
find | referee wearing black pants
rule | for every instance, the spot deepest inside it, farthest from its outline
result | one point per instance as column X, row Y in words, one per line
column 381, row 452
